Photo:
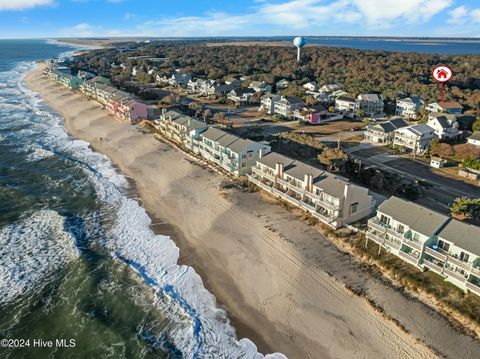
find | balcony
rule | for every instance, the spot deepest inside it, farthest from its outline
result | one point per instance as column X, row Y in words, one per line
column 394, row 233
column 473, row 287
column 393, row 244
column 412, row 244
column 457, row 275
column 376, row 224
column 434, row 267
column 457, row 262
column 376, row 238
column 475, row 271
column 435, row 254
column 295, row 188
column 410, row 258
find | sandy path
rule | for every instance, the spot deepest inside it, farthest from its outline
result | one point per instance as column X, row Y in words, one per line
column 285, row 289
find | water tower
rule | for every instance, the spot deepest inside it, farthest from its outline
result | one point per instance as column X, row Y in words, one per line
column 299, row 42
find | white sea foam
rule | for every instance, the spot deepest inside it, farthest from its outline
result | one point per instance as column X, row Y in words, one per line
column 202, row 329
column 31, row 250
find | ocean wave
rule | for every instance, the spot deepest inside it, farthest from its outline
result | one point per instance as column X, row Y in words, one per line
column 31, row 251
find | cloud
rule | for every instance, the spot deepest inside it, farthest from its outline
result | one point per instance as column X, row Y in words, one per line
column 463, row 15
column 81, row 30
column 22, row 4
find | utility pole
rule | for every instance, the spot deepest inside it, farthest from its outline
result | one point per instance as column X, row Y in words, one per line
column 339, row 140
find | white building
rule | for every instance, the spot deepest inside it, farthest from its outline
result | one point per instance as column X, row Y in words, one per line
column 384, row 132
column 241, row 95
column 408, row 107
column 415, row 137
column 329, row 198
column 267, row 103
column 371, row 104
column 452, row 107
column 345, row 104
column 311, row 86
column 429, row 241
column 179, row 79
column 260, row 86
column 445, row 125
column 232, row 153
column 287, row 105
column 282, row 84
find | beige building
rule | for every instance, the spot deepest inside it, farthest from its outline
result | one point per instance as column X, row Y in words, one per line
column 332, row 199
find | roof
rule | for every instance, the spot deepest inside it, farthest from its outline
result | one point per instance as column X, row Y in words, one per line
column 291, row 99
column 345, row 98
column 463, row 235
column 213, row 134
column 240, row 144
column 418, row 218
column 330, row 184
column 227, row 139
column 370, row 97
column 475, row 136
column 419, row 129
column 242, row 91
column 451, row 104
column 391, row 125
column 412, row 99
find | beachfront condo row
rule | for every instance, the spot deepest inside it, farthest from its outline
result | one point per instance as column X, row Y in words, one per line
column 117, row 102
column 429, row 240
column 232, row 153
column 331, row 199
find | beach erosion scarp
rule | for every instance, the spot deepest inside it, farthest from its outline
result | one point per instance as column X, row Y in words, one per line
column 271, row 283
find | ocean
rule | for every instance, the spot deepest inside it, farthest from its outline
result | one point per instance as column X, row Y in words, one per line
column 78, row 259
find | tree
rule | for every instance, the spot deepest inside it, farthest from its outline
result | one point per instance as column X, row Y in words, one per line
column 444, row 150
column 219, row 117
column 207, row 115
column 476, row 125
column 469, row 207
column 359, row 113
column 332, row 109
column 433, row 147
column 310, row 100
column 333, row 158
column 466, row 151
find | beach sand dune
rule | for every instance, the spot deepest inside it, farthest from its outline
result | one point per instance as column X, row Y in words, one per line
column 282, row 283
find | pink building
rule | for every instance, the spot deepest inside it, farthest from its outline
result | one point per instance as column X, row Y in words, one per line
column 313, row 115
column 125, row 108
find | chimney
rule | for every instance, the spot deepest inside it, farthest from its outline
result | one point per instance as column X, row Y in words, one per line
column 308, row 182
column 279, row 170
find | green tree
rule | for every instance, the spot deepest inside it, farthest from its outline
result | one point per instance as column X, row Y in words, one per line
column 333, row 158
column 432, row 151
column 469, row 207
column 476, row 125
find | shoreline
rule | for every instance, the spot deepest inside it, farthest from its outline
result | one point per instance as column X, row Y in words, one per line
column 269, row 282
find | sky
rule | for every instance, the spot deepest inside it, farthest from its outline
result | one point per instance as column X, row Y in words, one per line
column 177, row 18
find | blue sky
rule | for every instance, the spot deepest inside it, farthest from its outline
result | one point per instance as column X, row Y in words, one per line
column 85, row 18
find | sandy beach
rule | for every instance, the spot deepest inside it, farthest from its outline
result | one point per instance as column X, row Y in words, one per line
column 283, row 284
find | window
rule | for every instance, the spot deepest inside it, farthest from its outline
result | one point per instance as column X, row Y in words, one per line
column 464, row 257
column 354, row 208
column 416, row 237
column 443, row 245
column 384, row 219
column 401, row 228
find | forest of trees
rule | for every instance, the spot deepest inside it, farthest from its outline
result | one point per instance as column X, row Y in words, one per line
column 393, row 74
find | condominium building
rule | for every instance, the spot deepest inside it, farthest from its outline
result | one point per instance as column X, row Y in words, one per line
column 329, row 198
column 384, row 132
column 371, row 104
column 180, row 128
column 429, row 240
column 286, row 105
column 267, row 103
column 232, row 153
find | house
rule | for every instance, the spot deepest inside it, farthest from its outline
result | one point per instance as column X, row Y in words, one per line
column 437, row 162
column 260, row 86
column 331, row 199
column 282, row 84
column 474, row 139
column 230, row 152
column 452, row 107
column 408, row 107
column 180, row 128
column 417, row 138
column 223, row 89
column 193, row 86
column 287, row 105
column 267, row 103
column 241, row 95
column 330, row 88
column 444, row 124
column 384, row 132
column 311, row 86
column 371, row 104
column 179, row 79
column 345, row 104
column 312, row 115
column 233, row 81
